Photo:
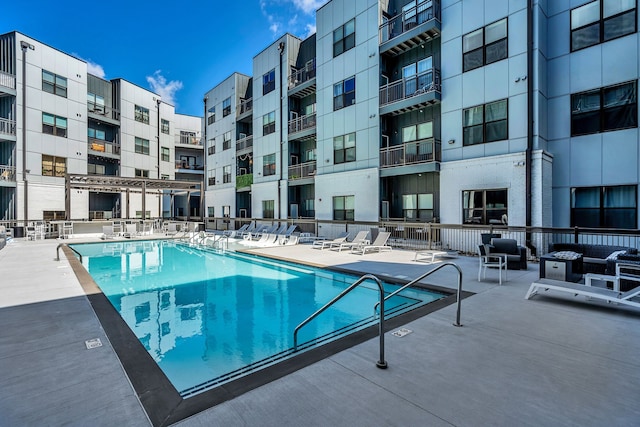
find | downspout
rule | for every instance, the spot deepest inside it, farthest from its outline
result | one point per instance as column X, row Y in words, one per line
column 24, row 45
column 528, row 153
column 281, row 47
column 203, row 205
column 158, row 101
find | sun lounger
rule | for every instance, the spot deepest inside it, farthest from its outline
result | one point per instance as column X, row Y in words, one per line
column 131, row 230
column 630, row 298
column 322, row 244
column 378, row 245
column 107, row 232
column 360, row 239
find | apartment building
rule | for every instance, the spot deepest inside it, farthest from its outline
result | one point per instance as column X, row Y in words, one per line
column 457, row 111
column 76, row 146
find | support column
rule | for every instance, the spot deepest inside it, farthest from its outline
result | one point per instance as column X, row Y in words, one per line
column 144, row 200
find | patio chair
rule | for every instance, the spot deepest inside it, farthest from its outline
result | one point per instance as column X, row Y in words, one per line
column 378, row 245
column 488, row 260
column 360, row 239
column 630, row 298
column 321, row 244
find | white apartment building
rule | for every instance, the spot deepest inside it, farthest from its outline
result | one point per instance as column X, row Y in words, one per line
column 61, row 127
column 459, row 111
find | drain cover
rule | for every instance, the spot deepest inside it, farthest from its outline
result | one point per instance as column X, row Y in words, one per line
column 93, row 343
column 401, row 332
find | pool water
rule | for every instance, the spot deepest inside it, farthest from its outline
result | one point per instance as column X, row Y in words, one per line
column 207, row 318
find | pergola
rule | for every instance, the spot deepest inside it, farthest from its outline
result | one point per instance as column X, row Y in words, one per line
column 116, row 184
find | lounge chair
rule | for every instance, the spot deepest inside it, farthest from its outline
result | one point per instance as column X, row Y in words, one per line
column 286, row 236
column 131, row 230
column 234, row 233
column 321, row 244
column 630, row 298
column 107, row 232
column 360, row 239
column 378, row 245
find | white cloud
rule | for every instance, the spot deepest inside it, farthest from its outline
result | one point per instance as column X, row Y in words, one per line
column 308, row 6
column 92, row 68
column 311, row 29
column 166, row 90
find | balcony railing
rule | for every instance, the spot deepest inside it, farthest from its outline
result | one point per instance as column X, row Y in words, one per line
column 188, row 140
column 185, row 165
column 409, row 19
column 303, row 122
column 103, row 110
column 7, row 80
column 7, row 127
column 302, row 75
column 7, row 173
column 410, row 153
column 425, row 82
column 244, row 143
column 302, row 170
column 101, row 146
column 246, row 105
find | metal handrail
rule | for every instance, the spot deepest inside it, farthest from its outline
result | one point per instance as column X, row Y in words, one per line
column 64, row 244
column 382, row 364
column 428, row 273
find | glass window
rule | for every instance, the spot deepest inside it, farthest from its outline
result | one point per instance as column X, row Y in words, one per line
column 142, row 146
column 344, row 37
column 600, row 21
column 344, row 93
column 605, row 109
column 485, row 123
column 344, row 208
column 54, row 125
column 164, row 126
column 165, row 155
column 54, row 166
column 604, row 207
column 211, row 176
column 226, row 107
column 53, row 83
column 269, row 164
column 485, row 45
column 142, row 173
column 226, row 140
column 269, row 82
column 95, row 103
column 269, row 123
column 344, row 148
column 268, row 208
column 226, row 174
column 141, row 114
column 484, row 206
column 211, row 116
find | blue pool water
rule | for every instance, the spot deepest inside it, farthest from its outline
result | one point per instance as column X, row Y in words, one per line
column 207, row 318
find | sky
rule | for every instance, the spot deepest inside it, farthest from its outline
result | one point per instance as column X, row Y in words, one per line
column 177, row 49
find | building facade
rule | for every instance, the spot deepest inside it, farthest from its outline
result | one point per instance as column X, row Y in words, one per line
column 456, row 111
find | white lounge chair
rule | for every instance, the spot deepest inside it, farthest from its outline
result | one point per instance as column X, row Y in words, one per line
column 107, row 232
column 378, row 245
column 321, row 244
column 630, row 298
column 360, row 239
column 131, row 230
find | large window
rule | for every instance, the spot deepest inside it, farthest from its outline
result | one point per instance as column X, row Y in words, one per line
column 601, row 21
column 344, row 93
column 344, row 37
column 54, row 166
column 96, row 134
column 269, row 82
column 226, row 174
column 226, row 140
column 417, row 76
column 268, row 209
column 141, row 114
column 344, row 208
column 344, row 148
column 142, row 173
column 165, row 155
column 164, row 126
column 211, row 149
column 485, row 45
column 211, row 116
column 54, row 125
column 418, row 141
column 485, row 123
column 269, row 164
column 95, row 103
column 605, row 109
column 269, row 123
column 54, row 83
column 211, row 178
column 142, row 146
column 417, row 206
column 226, row 107
column 608, row 207
column 484, row 206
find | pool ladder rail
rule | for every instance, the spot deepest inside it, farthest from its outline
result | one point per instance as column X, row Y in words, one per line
column 202, row 238
column 381, row 363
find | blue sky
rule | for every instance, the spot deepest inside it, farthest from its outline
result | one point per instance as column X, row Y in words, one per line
column 178, row 49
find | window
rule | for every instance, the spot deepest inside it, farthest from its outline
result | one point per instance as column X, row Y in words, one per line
column 165, row 177
column 269, row 165
column 344, row 208
column 164, row 154
column 226, row 140
column 188, row 138
column 96, row 134
column 418, row 140
column 417, row 206
column 484, row 206
column 344, row 93
column 142, row 173
column 608, row 207
column 605, row 109
column 268, row 209
column 164, row 126
column 485, row 45
column 95, row 103
column 95, row 169
column 601, row 21
column 418, row 76
column 212, row 147
column 141, row 114
column 54, row 83
column 226, row 174
column 212, row 178
column 269, row 82
column 269, row 123
column 485, row 123
column 210, row 212
column 211, row 117
column 226, row 107
column 54, row 166
column 142, row 146
column 344, row 37
column 344, row 148
column 54, row 125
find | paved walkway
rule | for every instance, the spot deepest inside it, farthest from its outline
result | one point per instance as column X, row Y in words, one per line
column 543, row 362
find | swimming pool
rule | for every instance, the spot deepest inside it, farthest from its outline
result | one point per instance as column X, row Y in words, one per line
column 207, row 318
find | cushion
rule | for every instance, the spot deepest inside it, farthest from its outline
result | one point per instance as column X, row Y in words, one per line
column 614, row 255
column 568, row 255
column 505, row 246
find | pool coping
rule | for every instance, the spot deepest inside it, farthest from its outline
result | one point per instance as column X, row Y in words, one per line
column 159, row 398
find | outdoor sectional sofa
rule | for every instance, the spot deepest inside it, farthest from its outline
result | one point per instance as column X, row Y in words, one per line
column 599, row 259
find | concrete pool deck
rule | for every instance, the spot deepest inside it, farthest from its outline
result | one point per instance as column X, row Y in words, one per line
column 549, row 361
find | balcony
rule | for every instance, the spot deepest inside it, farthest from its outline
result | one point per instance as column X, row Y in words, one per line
column 102, row 112
column 7, row 127
column 410, row 28
column 244, row 180
column 246, row 107
column 192, row 141
column 302, row 170
column 244, row 144
column 7, row 173
column 303, row 126
column 411, row 93
column 302, row 82
column 100, row 147
column 184, row 166
column 8, row 81
column 410, row 153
